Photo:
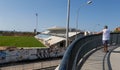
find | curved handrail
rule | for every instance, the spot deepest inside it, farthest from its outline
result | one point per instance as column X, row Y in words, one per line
column 108, row 59
column 80, row 47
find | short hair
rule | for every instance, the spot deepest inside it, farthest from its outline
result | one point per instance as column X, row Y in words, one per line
column 106, row 26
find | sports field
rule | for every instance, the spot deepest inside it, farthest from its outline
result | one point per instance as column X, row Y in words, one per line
column 20, row 41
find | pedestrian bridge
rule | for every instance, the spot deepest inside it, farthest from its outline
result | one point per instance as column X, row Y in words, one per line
column 87, row 54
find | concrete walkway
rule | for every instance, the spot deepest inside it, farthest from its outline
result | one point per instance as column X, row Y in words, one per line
column 115, row 59
column 99, row 60
column 40, row 65
column 95, row 61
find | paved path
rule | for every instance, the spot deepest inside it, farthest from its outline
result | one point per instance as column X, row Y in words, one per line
column 95, row 61
column 33, row 66
column 115, row 59
column 98, row 60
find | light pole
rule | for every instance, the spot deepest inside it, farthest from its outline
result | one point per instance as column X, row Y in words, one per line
column 67, row 24
column 36, row 22
column 88, row 2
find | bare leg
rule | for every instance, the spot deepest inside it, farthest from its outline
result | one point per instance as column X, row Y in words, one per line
column 105, row 47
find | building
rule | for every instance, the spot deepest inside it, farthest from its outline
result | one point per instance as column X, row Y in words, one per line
column 57, row 36
column 117, row 29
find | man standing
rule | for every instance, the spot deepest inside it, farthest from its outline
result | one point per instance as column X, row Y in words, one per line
column 105, row 37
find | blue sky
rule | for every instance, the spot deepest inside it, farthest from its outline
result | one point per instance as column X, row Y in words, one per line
column 19, row 15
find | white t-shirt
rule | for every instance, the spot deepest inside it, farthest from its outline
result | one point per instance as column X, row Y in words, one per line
column 106, row 34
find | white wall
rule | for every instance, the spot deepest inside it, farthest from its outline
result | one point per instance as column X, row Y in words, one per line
column 29, row 54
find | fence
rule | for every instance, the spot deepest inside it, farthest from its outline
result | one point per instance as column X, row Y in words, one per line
column 79, row 48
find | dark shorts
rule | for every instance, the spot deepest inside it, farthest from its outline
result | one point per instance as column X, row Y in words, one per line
column 105, row 42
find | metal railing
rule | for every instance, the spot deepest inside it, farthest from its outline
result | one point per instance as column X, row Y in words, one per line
column 79, row 48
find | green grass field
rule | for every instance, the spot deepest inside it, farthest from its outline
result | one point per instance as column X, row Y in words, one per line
column 20, row 41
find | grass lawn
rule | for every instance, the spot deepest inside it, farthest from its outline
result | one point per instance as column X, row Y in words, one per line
column 20, row 41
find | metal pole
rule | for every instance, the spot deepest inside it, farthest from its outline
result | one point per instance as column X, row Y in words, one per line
column 36, row 22
column 77, row 16
column 67, row 25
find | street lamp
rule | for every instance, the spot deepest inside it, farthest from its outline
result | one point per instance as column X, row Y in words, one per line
column 67, row 24
column 88, row 2
column 36, row 23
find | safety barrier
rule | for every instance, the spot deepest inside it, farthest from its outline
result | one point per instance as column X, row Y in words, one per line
column 7, row 56
column 79, row 48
